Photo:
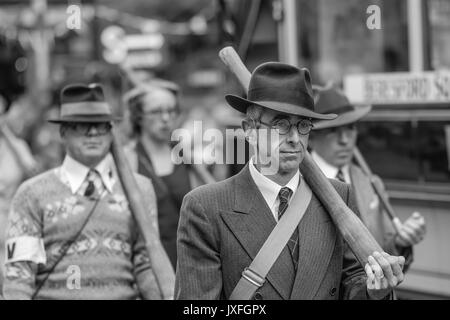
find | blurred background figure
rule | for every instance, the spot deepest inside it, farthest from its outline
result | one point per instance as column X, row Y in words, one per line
column 16, row 164
column 333, row 146
column 154, row 113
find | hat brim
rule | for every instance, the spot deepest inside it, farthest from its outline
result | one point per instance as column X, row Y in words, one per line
column 88, row 119
column 344, row 118
column 241, row 105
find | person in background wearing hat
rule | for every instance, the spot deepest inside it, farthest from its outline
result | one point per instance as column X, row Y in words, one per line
column 70, row 233
column 223, row 225
column 13, row 152
column 154, row 110
column 333, row 144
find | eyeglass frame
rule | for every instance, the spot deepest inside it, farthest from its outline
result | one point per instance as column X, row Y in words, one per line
column 89, row 125
column 311, row 125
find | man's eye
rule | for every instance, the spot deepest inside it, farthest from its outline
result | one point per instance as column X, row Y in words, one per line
column 280, row 124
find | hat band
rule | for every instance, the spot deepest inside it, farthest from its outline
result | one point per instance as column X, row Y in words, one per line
column 84, row 109
column 282, row 95
column 341, row 110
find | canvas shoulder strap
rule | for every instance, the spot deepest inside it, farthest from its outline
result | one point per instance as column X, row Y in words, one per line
column 254, row 276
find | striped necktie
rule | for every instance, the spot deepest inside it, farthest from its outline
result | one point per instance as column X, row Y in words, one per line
column 93, row 185
column 284, row 196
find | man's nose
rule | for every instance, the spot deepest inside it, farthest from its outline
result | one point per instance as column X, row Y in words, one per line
column 344, row 136
column 293, row 136
column 92, row 131
column 165, row 115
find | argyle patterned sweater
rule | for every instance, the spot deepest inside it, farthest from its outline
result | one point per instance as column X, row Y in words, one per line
column 108, row 260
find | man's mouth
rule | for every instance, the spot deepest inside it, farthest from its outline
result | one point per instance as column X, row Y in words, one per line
column 290, row 154
column 92, row 144
column 344, row 153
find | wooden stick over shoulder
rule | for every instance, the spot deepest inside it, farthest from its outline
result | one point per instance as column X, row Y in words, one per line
column 159, row 260
column 162, row 268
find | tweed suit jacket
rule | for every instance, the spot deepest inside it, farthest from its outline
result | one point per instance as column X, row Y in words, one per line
column 222, row 227
column 373, row 216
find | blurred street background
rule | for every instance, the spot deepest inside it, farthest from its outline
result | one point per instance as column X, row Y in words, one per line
column 397, row 59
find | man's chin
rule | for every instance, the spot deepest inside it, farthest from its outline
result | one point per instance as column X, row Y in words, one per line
column 342, row 161
column 93, row 157
column 289, row 166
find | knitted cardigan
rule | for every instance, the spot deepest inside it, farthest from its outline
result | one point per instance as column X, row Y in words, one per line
column 108, row 260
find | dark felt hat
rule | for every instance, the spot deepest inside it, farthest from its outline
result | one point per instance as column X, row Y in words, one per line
column 84, row 103
column 280, row 87
column 330, row 99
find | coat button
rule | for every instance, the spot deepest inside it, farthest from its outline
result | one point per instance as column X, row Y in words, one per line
column 258, row 296
column 333, row 291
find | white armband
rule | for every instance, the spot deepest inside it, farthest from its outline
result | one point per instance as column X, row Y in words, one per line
column 25, row 248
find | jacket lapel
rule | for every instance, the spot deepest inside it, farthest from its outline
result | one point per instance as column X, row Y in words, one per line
column 251, row 222
column 317, row 237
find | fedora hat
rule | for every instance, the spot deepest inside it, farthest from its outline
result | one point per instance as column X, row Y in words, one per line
column 280, row 87
column 330, row 99
column 84, row 103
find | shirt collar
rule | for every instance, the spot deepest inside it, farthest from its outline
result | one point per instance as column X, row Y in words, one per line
column 267, row 187
column 76, row 172
column 329, row 170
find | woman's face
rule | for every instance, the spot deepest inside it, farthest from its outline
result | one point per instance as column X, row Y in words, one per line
column 159, row 114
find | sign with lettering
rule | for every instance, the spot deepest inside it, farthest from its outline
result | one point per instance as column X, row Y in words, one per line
column 136, row 50
column 398, row 88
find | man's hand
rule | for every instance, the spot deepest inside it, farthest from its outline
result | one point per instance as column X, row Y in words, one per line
column 384, row 273
column 411, row 232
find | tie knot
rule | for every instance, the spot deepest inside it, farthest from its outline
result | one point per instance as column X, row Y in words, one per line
column 284, row 194
column 93, row 175
column 94, row 184
column 340, row 175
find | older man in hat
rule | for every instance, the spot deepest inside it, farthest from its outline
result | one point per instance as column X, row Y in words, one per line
column 71, row 234
column 333, row 144
column 224, row 225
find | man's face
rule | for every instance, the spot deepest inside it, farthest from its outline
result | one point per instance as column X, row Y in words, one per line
column 159, row 115
column 287, row 150
column 335, row 145
column 88, row 143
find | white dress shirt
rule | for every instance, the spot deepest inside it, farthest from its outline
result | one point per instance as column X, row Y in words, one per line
column 329, row 170
column 270, row 189
column 74, row 173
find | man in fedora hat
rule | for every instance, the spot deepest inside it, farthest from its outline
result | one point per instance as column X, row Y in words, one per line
column 224, row 225
column 71, row 234
column 333, row 144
